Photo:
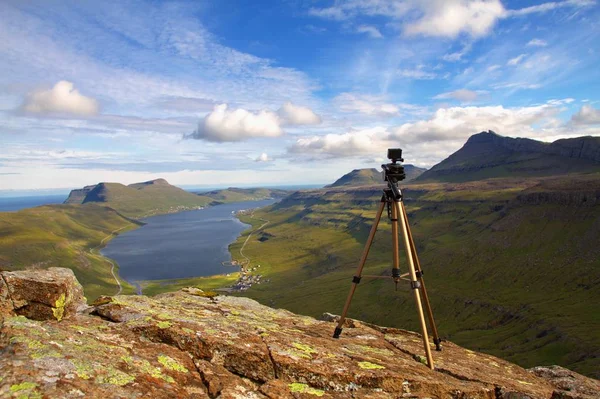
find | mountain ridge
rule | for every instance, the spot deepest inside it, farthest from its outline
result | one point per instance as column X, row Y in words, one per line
column 369, row 176
column 490, row 155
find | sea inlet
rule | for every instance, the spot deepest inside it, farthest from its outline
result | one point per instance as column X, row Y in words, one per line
column 179, row 245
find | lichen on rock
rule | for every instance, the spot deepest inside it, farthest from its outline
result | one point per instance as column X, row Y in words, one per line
column 186, row 345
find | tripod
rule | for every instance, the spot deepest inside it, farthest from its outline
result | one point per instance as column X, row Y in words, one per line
column 392, row 198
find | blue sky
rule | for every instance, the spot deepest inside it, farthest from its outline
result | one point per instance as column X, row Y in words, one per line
column 284, row 92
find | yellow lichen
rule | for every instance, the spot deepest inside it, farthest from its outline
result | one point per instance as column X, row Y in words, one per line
column 155, row 372
column 59, row 307
column 304, row 348
column 172, row 364
column 24, row 386
column 115, row 377
column 303, row 388
column 83, row 370
column 164, row 324
column 370, row 366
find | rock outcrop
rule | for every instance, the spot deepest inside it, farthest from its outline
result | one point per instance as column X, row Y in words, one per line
column 48, row 294
column 185, row 344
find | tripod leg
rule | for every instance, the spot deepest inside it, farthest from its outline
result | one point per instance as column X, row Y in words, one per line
column 436, row 338
column 414, row 284
column 359, row 269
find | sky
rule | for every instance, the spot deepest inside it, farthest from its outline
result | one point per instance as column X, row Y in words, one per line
column 254, row 93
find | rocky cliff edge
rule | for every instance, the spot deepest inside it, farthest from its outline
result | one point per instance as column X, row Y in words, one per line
column 190, row 345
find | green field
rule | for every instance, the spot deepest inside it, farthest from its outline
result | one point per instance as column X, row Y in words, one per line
column 64, row 236
column 512, row 265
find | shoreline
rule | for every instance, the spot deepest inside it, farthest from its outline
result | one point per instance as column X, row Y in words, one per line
column 242, row 283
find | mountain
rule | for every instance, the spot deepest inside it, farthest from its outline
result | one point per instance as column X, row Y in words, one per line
column 139, row 199
column 365, row 177
column 192, row 343
column 234, row 194
column 488, row 155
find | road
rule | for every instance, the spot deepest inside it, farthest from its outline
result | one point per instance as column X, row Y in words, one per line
column 247, row 259
column 112, row 269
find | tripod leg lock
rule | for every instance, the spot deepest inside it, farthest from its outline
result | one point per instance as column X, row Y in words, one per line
column 420, row 273
column 437, row 342
column 415, row 285
column 337, row 332
column 356, row 279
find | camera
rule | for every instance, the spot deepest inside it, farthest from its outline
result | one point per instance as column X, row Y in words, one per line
column 394, row 172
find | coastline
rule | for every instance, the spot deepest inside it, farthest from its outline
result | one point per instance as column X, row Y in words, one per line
column 235, row 281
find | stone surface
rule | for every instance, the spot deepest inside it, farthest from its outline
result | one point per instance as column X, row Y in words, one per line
column 184, row 344
column 568, row 384
column 44, row 294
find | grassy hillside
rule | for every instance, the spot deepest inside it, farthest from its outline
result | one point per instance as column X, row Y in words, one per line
column 234, row 194
column 512, row 265
column 489, row 155
column 64, row 236
column 141, row 199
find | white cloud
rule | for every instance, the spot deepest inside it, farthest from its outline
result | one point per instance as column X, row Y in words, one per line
column 516, row 60
column 223, row 124
column 553, row 5
column 451, row 18
column 537, row 43
column 263, row 158
column 463, row 95
column 457, row 56
column 365, row 104
column 62, row 98
column 350, row 144
column 297, row 115
column 587, row 115
column 433, row 138
column 416, row 73
column 370, row 30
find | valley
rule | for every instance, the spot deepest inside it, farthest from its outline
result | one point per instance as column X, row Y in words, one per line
column 511, row 264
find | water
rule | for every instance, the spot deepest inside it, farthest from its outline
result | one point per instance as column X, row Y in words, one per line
column 12, row 204
column 180, row 245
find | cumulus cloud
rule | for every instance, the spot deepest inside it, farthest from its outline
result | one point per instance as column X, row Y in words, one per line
column 451, row 18
column 223, row 124
column 370, row 30
column 350, row 144
column 263, row 158
column 587, row 115
column 365, row 104
column 446, row 126
column 463, row 95
column 62, row 98
column 291, row 114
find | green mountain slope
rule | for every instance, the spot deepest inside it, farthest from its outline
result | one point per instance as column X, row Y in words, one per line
column 489, row 155
column 64, row 236
column 139, row 199
column 364, row 177
column 234, row 194
column 512, row 265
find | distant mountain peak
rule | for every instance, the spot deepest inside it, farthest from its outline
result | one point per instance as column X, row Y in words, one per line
column 370, row 176
column 488, row 154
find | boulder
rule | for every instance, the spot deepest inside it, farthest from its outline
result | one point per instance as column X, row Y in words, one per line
column 42, row 294
column 568, row 384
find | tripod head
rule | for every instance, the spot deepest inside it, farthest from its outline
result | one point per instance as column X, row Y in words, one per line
column 394, row 172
